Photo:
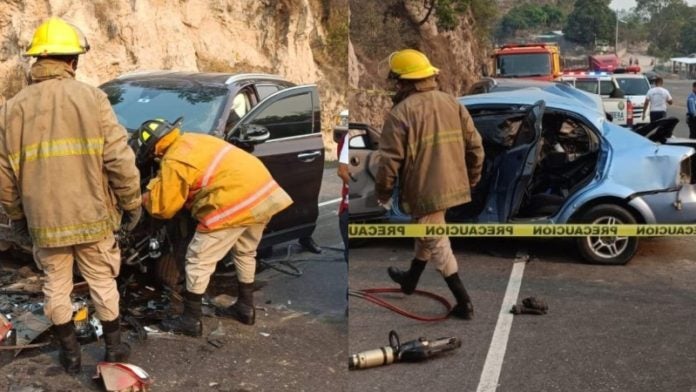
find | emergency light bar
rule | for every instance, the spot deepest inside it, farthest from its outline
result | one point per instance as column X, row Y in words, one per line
column 586, row 73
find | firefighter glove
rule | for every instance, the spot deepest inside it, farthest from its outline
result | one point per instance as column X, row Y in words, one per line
column 131, row 218
column 20, row 229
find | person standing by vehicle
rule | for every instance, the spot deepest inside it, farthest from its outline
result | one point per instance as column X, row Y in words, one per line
column 691, row 111
column 430, row 144
column 232, row 196
column 65, row 168
column 658, row 97
column 344, row 174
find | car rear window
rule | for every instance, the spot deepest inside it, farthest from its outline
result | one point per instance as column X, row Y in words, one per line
column 634, row 86
column 134, row 102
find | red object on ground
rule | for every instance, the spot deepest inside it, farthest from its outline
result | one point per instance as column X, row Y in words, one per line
column 123, row 376
column 5, row 327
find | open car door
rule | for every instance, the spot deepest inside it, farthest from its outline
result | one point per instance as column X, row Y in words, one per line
column 293, row 151
column 511, row 139
column 364, row 160
column 518, row 164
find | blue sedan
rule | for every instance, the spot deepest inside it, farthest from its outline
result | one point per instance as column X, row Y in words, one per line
column 551, row 158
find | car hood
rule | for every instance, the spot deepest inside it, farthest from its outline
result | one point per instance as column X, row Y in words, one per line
column 641, row 164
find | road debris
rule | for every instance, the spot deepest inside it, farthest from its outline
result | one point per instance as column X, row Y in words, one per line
column 223, row 301
column 29, row 326
column 123, row 377
column 531, row 305
column 217, row 343
column 5, row 327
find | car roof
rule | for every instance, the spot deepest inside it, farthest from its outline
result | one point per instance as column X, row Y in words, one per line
column 516, row 83
column 595, row 77
column 556, row 98
column 215, row 78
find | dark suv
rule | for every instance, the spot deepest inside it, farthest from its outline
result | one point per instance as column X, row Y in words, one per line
column 230, row 106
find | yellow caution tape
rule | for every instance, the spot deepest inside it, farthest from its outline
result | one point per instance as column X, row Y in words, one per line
column 518, row 230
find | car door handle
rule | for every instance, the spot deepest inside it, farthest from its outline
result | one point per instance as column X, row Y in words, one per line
column 355, row 161
column 308, row 156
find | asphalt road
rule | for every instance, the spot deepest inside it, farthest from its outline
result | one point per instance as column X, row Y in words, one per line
column 624, row 328
column 297, row 344
column 680, row 90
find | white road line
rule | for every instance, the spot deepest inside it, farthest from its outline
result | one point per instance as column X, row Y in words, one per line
column 326, row 203
column 496, row 352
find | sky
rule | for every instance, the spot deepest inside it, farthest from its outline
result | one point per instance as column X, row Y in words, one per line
column 628, row 4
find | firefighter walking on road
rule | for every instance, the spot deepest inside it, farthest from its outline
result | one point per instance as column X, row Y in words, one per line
column 65, row 171
column 232, row 196
column 430, row 144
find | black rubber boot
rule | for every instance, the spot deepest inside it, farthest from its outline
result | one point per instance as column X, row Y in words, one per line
column 464, row 309
column 189, row 323
column 408, row 279
column 70, row 356
column 115, row 350
column 243, row 310
column 309, row 245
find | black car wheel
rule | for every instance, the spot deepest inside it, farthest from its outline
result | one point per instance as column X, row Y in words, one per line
column 607, row 250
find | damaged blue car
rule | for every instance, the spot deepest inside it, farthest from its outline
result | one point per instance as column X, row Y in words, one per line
column 551, row 159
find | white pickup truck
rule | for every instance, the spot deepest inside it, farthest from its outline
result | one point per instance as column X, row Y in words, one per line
column 604, row 85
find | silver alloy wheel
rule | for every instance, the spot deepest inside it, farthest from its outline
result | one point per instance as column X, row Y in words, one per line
column 607, row 247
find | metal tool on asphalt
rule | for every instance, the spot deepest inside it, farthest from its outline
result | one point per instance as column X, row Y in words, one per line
column 369, row 295
column 412, row 351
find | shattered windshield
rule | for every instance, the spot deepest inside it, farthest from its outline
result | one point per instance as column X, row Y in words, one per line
column 520, row 65
column 134, row 102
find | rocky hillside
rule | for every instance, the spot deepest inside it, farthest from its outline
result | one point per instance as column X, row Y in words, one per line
column 379, row 28
column 303, row 40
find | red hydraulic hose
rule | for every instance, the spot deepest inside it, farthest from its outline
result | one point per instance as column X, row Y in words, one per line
column 368, row 295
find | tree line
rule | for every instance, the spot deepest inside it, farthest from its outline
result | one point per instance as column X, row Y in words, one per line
column 669, row 26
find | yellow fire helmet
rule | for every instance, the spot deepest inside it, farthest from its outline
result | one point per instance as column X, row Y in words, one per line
column 56, row 37
column 410, row 64
column 149, row 134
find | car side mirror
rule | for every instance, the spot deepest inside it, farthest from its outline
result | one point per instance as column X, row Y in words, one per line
column 253, row 134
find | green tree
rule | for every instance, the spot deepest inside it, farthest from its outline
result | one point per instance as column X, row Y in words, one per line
column 590, row 20
column 530, row 17
column 688, row 38
column 554, row 16
column 448, row 12
column 668, row 25
column 648, row 8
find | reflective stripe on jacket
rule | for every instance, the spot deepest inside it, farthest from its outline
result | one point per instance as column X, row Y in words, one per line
column 64, row 161
column 224, row 186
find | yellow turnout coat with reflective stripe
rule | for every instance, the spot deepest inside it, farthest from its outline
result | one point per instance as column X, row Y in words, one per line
column 64, row 160
column 223, row 185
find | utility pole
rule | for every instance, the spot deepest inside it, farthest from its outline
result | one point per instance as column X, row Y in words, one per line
column 616, row 37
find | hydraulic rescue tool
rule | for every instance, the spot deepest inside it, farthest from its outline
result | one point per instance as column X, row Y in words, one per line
column 411, row 351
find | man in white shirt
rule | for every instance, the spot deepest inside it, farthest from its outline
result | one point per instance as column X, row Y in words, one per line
column 658, row 97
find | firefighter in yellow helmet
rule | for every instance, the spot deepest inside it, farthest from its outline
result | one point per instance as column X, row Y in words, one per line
column 66, row 177
column 232, row 196
column 430, row 144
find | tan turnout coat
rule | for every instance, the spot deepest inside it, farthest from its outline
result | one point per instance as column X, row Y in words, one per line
column 64, row 161
column 430, row 143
